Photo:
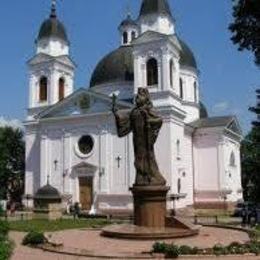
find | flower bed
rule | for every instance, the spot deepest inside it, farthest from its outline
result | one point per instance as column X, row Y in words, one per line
column 235, row 248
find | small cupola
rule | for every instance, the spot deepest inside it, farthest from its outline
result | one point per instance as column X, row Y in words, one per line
column 128, row 30
column 156, row 15
column 47, row 195
column 52, row 38
column 52, row 27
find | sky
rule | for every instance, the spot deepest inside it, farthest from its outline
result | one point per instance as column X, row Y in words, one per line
column 228, row 78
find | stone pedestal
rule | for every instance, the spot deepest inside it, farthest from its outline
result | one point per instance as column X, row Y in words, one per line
column 50, row 212
column 150, row 205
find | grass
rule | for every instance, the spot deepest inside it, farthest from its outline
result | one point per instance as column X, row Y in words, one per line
column 58, row 225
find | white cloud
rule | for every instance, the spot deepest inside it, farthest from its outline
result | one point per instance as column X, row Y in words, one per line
column 14, row 123
column 220, row 107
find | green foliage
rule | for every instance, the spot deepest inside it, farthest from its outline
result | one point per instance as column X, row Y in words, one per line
column 220, row 250
column 172, row 251
column 235, row 248
column 254, row 247
column 4, row 228
column 34, row 238
column 63, row 224
column 12, row 163
column 246, row 26
column 159, row 247
column 6, row 248
column 250, row 151
column 187, row 250
column 169, row 250
column 1, row 211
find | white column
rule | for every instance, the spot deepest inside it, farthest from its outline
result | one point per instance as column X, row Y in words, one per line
column 165, row 72
column 31, row 91
column 67, row 162
column 137, row 73
column 44, row 159
column 103, row 160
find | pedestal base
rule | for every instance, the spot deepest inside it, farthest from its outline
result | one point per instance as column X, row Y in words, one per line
column 150, row 205
column 150, row 218
column 175, row 228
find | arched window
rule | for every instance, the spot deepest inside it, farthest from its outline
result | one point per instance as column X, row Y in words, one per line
column 43, row 89
column 61, row 88
column 181, row 88
column 195, row 92
column 171, row 72
column 179, row 186
column 125, row 38
column 232, row 160
column 178, row 149
column 152, row 72
column 133, row 35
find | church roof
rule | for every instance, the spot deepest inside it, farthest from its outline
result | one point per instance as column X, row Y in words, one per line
column 220, row 121
column 52, row 27
column 155, row 7
column 118, row 66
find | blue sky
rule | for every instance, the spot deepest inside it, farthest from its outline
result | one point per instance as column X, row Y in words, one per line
column 227, row 77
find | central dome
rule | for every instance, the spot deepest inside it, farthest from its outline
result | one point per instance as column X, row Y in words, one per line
column 118, row 66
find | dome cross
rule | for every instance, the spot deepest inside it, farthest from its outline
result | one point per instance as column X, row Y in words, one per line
column 53, row 8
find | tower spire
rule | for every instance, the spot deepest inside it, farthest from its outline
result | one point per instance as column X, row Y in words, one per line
column 53, row 9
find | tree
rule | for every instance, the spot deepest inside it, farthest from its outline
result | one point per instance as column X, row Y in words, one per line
column 12, row 163
column 251, row 157
column 246, row 26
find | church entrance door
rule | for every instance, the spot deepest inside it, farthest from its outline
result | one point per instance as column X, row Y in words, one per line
column 86, row 192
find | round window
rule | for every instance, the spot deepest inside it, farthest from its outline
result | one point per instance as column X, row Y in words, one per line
column 86, row 144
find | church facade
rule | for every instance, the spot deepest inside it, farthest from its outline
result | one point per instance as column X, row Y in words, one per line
column 71, row 137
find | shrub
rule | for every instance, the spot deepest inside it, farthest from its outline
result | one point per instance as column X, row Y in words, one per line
column 169, row 250
column 4, row 228
column 237, row 248
column 254, row 248
column 220, row 250
column 34, row 238
column 159, row 247
column 6, row 248
column 172, row 251
column 187, row 250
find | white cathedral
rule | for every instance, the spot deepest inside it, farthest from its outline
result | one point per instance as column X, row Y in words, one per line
column 71, row 136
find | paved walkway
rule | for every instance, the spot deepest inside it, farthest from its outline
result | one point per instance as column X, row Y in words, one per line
column 91, row 241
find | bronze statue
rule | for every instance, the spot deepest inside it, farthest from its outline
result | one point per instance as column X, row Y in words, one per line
column 145, row 123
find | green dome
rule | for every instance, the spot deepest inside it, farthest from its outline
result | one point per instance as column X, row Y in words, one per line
column 203, row 111
column 187, row 57
column 47, row 193
column 118, row 66
column 52, row 27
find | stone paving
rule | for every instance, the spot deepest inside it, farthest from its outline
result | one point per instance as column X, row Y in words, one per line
column 91, row 240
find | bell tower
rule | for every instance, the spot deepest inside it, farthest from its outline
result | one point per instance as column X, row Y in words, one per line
column 51, row 70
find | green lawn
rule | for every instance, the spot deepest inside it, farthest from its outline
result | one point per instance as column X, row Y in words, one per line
column 45, row 225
